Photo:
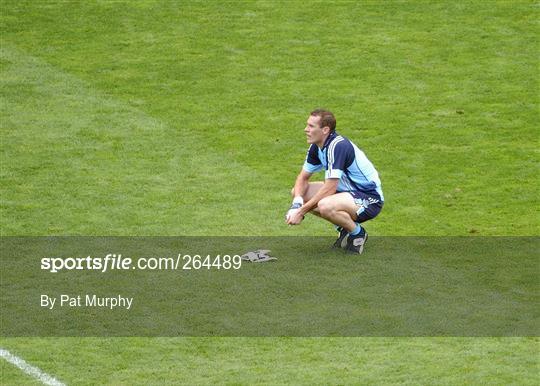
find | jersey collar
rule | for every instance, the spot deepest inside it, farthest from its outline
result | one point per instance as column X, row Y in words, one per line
column 329, row 139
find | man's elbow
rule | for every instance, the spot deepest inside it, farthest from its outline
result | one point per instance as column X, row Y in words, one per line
column 330, row 192
column 331, row 188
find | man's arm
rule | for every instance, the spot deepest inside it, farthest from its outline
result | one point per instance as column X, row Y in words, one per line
column 302, row 183
column 329, row 188
column 299, row 191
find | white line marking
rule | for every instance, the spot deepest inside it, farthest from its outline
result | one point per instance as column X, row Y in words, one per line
column 29, row 369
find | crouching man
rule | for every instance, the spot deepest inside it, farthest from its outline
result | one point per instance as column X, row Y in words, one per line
column 351, row 192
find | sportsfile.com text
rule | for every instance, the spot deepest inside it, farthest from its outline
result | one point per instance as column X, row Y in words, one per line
column 112, row 261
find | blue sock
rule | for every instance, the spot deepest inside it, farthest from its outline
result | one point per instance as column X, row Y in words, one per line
column 356, row 230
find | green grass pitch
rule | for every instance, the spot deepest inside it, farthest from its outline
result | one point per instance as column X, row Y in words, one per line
column 168, row 118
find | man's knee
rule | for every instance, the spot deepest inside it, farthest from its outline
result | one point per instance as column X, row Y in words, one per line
column 326, row 207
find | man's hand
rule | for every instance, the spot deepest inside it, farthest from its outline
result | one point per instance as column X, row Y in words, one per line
column 294, row 210
column 294, row 216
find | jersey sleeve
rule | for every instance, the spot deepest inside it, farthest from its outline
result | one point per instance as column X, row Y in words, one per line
column 312, row 163
column 340, row 157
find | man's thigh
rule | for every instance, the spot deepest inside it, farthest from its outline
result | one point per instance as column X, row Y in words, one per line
column 343, row 202
column 312, row 190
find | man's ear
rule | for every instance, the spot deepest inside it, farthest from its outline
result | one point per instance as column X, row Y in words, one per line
column 326, row 130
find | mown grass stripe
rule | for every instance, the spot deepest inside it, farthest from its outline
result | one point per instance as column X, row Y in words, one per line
column 98, row 163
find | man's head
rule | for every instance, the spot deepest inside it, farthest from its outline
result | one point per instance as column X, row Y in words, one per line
column 320, row 124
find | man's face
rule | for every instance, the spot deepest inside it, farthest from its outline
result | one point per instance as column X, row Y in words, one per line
column 314, row 132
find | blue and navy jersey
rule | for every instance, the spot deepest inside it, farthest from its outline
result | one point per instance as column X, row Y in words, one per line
column 340, row 158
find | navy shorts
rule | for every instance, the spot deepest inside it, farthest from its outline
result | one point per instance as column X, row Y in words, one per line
column 369, row 205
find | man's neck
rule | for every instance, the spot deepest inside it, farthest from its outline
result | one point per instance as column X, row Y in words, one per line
column 320, row 144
